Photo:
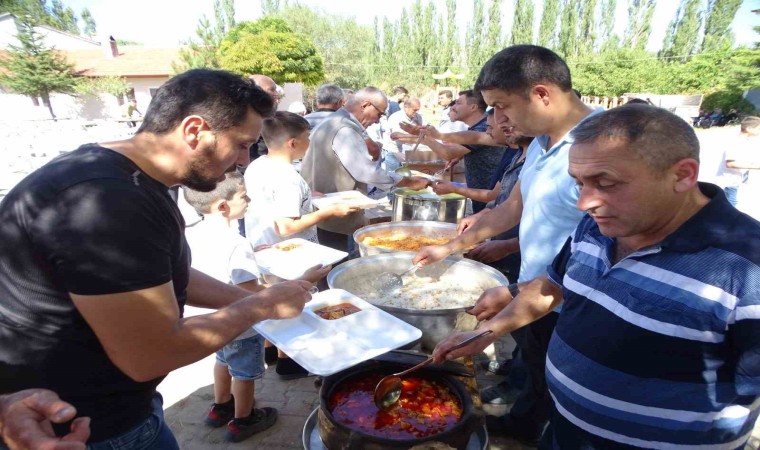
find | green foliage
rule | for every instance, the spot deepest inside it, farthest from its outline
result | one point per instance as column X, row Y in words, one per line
column 346, row 47
column 607, row 39
column 90, row 27
column 587, row 33
column 268, row 46
column 36, row 70
column 547, row 31
column 639, row 28
column 718, row 18
column 568, row 31
column 522, row 27
column 681, row 39
column 38, row 12
column 115, row 86
column 727, row 100
column 201, row 52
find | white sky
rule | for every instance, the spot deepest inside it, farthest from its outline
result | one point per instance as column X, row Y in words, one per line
column 168, row 22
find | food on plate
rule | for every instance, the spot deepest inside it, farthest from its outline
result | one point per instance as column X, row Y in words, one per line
column 287, row 247
column 426, row 407
column 337, row 311
column 420, row 292
column 404, row 242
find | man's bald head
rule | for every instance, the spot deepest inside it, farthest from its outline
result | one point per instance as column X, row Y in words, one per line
column 267, row 84
column 367, row 105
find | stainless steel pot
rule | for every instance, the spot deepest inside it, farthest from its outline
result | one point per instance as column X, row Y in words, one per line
column 424, row 205
column 408, row 228
column 355, row 275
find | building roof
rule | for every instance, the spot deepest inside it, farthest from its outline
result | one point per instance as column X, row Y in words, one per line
column 133, row 62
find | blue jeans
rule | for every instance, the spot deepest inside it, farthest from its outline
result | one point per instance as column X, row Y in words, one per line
column 152, row 434
column 731, row 194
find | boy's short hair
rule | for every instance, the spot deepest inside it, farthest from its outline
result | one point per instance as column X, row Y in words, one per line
column 751, row 124
column 282, row 126
column 225, row 190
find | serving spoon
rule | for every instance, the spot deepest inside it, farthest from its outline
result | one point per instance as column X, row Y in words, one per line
column 388, row 390
column 388, row 282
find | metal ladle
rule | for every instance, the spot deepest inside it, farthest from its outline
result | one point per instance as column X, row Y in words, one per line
column 388, row 282
column 388, row 390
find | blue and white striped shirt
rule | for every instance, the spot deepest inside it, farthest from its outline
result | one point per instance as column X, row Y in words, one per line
column 662, row 349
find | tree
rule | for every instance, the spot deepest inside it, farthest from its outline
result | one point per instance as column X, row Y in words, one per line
column 90, row 27
column 547, row 31
column 718, row 18
column 64, row 17
column 522, row 27
column 494, row 41
column 587, row 32
column 451, row 46
column 201, row 52
column 474, row 40
column 639, row 28
column 36, row 70
column 607, row 39
column 346, row 47
column 37, row 12
column 682, row 36
column 568, row 31
column 269, row 46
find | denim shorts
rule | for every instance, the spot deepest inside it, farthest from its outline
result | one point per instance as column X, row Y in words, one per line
column 244, row 358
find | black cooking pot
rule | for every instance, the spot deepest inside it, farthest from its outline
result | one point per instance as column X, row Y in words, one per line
column 337, row 436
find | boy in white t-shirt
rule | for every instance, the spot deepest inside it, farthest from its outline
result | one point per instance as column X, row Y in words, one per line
column 218, row 250
column 281, row 199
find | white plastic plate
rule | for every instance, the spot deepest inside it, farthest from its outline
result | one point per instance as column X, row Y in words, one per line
column 289, row 259
column 324, row 347
column 351, row 198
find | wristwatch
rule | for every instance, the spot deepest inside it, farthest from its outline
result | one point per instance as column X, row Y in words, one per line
column 513, row 289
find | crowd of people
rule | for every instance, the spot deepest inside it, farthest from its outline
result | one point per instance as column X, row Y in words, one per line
column 634, row 287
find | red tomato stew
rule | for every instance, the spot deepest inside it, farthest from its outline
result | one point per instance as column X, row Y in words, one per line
column 337, row 311
column 426, row 407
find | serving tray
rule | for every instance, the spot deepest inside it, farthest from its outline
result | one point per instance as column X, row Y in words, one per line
column 324, row 347
column 289, row 259
column 351, row 198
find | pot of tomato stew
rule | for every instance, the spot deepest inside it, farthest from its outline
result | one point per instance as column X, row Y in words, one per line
column 434, row 407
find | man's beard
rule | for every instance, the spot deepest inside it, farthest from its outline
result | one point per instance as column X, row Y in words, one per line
column 195, row 178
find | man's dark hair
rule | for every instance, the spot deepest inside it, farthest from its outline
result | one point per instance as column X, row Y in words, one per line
column 637, row 100
column 447, row 93
column 221, row 98
column 658, row 136
column 518, row 68
column 281, row 126
column 329, row 94
column 474, row 98
column 224, row 190
column 399, row 90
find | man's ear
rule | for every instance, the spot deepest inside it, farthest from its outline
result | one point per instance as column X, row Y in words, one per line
column 685, row 174
column 192, row 127
column 542, row 92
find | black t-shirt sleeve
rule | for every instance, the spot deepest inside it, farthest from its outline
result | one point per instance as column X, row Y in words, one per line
column 105, row 237
column 556, row 271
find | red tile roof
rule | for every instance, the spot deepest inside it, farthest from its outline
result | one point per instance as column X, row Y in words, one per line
column 133, row 61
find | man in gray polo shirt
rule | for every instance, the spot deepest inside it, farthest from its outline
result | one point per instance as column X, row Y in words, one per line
column 337, row 161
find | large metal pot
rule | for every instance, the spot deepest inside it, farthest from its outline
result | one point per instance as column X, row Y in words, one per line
column 425, row 205
column 407, row 228
column 338, row 436
column 355, row 275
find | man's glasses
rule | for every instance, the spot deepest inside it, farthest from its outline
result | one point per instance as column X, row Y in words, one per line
column 379, row 111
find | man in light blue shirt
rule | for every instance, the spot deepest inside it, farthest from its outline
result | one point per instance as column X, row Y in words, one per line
column 530, row 87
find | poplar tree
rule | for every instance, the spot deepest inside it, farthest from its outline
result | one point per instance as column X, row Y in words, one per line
column 587, row 34
column 451, row 46
column 547, row 31
column 474, row 39
column 494, row 41
column 718, row 18
column 639, row 28
column 522, row 27
column 90, row 27
column 682, row 38
column 568, row 31
column 607, row 24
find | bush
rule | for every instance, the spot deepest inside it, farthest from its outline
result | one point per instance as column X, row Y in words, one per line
column 727, row 100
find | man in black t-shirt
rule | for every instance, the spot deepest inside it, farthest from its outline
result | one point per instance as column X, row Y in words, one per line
column 95, row 267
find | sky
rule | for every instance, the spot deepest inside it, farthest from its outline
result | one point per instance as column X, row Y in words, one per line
column 166, row 23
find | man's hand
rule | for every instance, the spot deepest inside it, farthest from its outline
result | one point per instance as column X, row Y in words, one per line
column 443, row 188
column 432, row 132
column 342, row 209
column 431, row 254
column 443, row 350
column 26, row 419
column 285, row 300
column 316, row 273
column 490, row 303
column 488, row 252
column 403, row 137
column 411, row 128
column 469, row 221
column 374, row 149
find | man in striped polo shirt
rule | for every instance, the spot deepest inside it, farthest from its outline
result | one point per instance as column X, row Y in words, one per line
column 658, row 342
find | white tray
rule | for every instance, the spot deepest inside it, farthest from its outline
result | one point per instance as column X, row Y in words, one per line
column 324, row 347
column 351, row 198
column 292, row 264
